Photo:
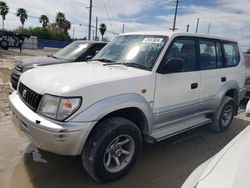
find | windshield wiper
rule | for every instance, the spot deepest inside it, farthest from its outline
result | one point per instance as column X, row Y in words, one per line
column 113, row 63
column 52, row 56
column 102, row 60
column 136, row 65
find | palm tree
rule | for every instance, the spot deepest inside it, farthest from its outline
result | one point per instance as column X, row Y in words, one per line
column 22, row 13
column 66, row 26
column 44, row 19
column 60, row 20
column 4, row 9
column 103, row 29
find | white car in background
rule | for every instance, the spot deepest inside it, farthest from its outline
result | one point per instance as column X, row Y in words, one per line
column 227, row 169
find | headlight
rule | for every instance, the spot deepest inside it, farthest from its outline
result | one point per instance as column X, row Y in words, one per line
column 58, row 108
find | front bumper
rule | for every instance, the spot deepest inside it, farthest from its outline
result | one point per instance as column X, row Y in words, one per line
column 64, row 138
column 247, row 96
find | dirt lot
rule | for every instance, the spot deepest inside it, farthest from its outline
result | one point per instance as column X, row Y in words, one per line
column 164, row 164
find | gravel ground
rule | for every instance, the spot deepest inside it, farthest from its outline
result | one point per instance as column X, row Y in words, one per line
column 164, row 164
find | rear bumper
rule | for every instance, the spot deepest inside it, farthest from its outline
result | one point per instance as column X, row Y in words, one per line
column 65, row 138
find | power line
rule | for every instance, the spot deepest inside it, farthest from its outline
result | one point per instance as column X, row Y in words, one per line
column 108, row 11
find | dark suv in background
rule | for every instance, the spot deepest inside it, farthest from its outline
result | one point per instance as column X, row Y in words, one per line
column 74, row 52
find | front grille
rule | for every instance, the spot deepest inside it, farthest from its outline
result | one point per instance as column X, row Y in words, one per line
column 31, row 98
column 19, row 68
column 15, row 77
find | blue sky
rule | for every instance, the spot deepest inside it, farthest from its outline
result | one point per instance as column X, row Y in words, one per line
column 229, row 18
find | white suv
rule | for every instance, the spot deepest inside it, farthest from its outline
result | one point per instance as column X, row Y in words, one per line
column 141, row 86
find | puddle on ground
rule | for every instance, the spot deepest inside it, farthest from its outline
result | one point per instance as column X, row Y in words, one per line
column 164, row 164
column 5, row 75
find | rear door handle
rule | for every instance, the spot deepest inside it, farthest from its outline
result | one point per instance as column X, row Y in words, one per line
column 223, row 79
column 194, row 85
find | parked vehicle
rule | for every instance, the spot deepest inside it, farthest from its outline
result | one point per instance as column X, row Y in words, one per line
column 141, row 86
column 228, row 168
column 12, row 39
column 247, row 83
column 74, row 52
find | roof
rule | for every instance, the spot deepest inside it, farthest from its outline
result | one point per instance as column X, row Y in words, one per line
column 175, row 34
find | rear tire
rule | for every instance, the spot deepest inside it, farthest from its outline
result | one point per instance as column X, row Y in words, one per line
column 224, row 115
column 4, row 44
column 111, row 149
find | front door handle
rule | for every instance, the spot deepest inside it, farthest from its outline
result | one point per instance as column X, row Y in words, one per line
column 194, row 85
column 223, row 79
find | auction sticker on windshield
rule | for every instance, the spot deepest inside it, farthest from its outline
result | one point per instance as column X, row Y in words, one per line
column 153, row 40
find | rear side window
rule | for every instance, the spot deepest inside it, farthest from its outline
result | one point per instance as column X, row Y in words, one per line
column 232, row 55
column 208, row 58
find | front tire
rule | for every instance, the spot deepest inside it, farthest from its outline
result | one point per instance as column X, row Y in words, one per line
column 112, row 149
column 224, row 115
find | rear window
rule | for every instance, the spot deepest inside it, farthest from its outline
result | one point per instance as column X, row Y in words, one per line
column 232, row 55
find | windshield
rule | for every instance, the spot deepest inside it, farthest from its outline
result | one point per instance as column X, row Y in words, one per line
column 140, row 51
column 72, row 51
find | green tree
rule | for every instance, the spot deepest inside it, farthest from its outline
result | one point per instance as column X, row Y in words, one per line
column 66, row 26
column 4, row 10
column 22, row 13
column 60, row 20
column 44, row 33
column 103, row 29
column 44, row 19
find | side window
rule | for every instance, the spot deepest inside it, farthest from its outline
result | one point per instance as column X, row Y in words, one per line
column 231, row 54
column 219, row 55
column 207, row 55
column 183, row 49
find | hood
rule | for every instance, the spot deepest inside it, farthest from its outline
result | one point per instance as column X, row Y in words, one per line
column 65, row 78
column 230, row 167
column 41, row 61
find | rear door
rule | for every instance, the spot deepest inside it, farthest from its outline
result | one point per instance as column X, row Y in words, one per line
column 213, row 73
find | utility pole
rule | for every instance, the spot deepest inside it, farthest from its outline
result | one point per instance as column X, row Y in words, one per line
column 96, row 27
column 123, row 28
column 175, row 15
column 197, row 25
column 209, row 27
column 90, row 18
column 187, row 28
column 73, row 33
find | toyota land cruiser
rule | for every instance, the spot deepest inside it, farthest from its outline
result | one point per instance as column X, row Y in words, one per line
column 141, row 86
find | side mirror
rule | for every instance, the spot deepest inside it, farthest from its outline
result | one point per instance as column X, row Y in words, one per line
column 88, row 57
column 248, row 109
column 174, row 65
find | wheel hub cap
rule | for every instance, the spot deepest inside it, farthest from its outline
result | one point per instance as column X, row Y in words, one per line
column 119, row 153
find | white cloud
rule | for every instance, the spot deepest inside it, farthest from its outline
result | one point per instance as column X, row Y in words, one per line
column 229, row 18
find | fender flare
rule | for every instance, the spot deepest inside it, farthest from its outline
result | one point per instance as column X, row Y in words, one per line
column 101, row 108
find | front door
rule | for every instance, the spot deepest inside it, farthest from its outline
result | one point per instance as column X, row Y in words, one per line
column 177, row 92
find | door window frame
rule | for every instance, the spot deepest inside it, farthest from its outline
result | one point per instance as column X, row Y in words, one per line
column 195, row 39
